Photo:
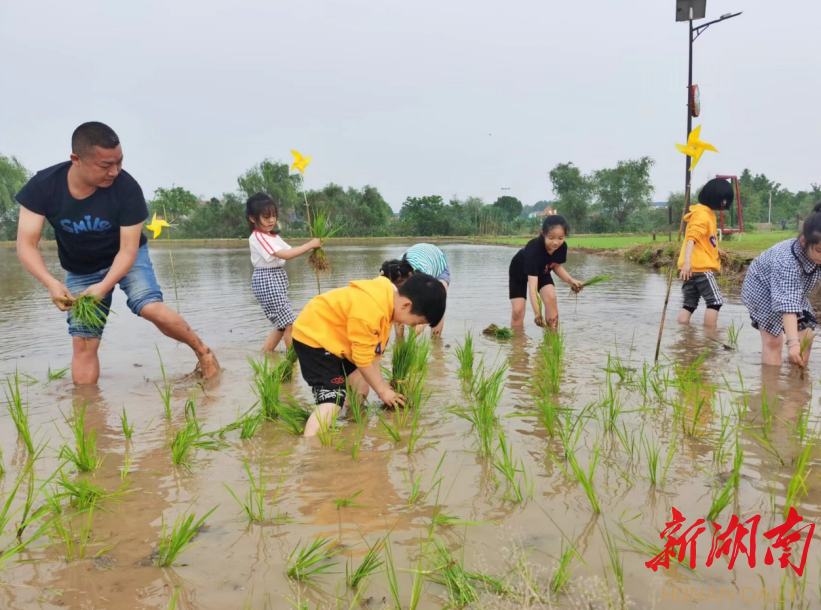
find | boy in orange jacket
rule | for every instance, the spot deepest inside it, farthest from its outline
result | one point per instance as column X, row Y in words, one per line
column 698, row 261
column 340, row 336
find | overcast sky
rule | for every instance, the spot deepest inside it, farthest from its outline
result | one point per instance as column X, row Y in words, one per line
column 448, row 97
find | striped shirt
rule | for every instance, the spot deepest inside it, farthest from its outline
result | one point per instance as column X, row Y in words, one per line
column 778, row 282
column 427, row 258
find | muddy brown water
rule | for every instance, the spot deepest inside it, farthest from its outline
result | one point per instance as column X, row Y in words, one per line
column 237, row 565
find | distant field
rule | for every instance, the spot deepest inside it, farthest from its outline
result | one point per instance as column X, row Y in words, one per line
column 751, row 244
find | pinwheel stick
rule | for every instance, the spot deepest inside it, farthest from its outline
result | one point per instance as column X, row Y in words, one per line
column 673, row 267
column 310, row 228
column 171, row 256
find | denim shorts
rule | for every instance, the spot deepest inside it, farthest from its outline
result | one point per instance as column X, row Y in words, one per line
column 445, row 276
column 139, row 284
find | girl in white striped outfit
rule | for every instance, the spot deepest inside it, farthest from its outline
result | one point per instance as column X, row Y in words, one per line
column 268, row 255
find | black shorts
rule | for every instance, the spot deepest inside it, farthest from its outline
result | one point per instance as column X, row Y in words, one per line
column 326, row 373
column 517, row 281
column 701, row 285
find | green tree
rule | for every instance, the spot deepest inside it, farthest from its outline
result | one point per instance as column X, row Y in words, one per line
column 176, row 202
column 425, row 216
column 509, row 206
column 573, row 191
column 624, row 189
column 13, row 176
column 274, row 179
column 217, row 220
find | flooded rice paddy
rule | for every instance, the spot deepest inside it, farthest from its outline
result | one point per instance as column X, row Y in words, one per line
column 446, row 525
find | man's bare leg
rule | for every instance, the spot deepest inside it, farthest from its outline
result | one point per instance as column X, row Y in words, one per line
column 85, row 363
column 173, row 325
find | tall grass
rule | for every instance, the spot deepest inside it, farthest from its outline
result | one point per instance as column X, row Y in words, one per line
column 19, row 413
column 84, row 453
column 179, row 539
column 466, row 354
column 486, row 392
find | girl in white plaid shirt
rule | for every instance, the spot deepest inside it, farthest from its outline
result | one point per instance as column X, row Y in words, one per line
column 268, row 255
column 775, row 291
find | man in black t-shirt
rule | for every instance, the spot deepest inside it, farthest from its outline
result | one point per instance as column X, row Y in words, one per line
column 97, row 210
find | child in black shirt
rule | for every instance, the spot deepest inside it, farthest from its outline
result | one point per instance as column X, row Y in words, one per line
column 530, row 273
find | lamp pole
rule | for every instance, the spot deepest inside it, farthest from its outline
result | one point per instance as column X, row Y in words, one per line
column 692, row 35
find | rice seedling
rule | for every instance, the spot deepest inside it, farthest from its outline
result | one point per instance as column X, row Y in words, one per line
column 167, row 388
column 291, row 416
column 304, row 562
column 509, row 468
column 649, row 547
column 549, row 360
column 275, row 404
column 370, row 564
column 611, row 406
column 415, row 493
column 721, row 499
column 84, row 453
column 128, row 427
column 732, row 334
column 126, row 466
column 2, row 467
column 415, row 431
column 616, row 564
column 329, row 433
column 323, row 229
column 75, row 541
column 570, row 431
column 767, row 414
column 253, row 504
column 651, row 455
column 285, row 369
column 390, row 574
column 250, row 426
column 686, row 376
column 405, row 361
column 356, row 443
column 451, row 574
column 628, row 441
column 189, row 437
column 89, row 311
column 585, row 479
column 347, row 502
column 58, row 374
column 19, row 413
column 466, row 355
column 172, row 604
column 180, row 538
column 671, row 452
column 503, row 333
column 564, row 570
column 548, row 413
column 719, row 453
column 616, row 365
column 486, row 392
column 798, row 481
column 597, row 279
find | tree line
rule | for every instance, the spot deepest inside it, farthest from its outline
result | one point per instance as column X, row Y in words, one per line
column 610, row 200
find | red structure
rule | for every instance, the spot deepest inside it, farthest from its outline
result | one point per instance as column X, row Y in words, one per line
column 740, row 229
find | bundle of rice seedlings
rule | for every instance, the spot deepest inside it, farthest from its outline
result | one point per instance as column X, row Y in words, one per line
column 89, row 311
column 598, row 279
column 503, row 333
column 285, row 369
column 321, row 228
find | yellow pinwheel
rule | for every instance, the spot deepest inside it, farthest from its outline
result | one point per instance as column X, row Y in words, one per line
column 156, row 225
column 300, row 162
column 695, row 147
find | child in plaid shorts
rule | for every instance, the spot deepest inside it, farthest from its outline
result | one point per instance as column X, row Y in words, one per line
column 268, row 255
column 776, row 290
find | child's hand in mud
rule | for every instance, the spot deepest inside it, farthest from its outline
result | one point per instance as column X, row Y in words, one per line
column 539, row 320
column 390, row 397
column 576, row 286
column 795, row 355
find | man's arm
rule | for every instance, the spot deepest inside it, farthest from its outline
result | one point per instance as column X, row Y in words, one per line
column 129, row 243
column 29, row 230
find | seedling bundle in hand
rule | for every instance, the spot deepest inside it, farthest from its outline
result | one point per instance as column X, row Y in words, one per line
column 89, row 311
column 321, row 228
